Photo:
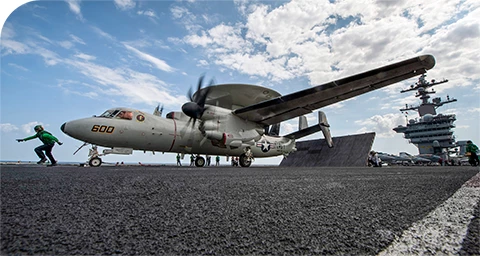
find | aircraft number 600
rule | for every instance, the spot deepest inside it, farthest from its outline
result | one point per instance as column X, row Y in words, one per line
column 103, row 128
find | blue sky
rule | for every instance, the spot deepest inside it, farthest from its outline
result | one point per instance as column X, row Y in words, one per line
column 65, row 60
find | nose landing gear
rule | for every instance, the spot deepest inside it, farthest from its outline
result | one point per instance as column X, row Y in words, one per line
column 95, row 161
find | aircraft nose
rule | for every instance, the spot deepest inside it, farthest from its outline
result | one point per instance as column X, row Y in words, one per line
column 63, row 127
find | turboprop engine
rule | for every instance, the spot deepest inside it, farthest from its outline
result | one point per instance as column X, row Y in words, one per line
column 225, row 129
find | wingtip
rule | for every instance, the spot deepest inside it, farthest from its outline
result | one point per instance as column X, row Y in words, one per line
column 428, row 61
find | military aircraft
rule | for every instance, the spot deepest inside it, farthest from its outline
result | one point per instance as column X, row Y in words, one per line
column 234, row 120
column 394, row 159
column 416, row 159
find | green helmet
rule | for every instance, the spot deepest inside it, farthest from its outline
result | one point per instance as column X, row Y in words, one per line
column 38, row 128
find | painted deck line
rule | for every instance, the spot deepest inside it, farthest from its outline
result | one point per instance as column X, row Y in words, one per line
column 443, row 230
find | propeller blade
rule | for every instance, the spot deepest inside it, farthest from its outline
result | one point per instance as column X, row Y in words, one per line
column 200, row 82
column 189, row 94
column 203, row 97
column 195, row 108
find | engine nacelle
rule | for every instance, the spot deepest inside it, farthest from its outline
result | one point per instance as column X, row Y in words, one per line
column 214, row 135
column 209, row 125
column 214, row 112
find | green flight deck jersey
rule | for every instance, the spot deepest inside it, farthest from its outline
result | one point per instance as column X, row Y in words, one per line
column 46, row 137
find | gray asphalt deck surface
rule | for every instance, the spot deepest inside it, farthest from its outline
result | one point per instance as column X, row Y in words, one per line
column 66, row 210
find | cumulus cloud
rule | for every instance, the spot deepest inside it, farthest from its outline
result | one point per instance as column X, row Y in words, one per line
column 8, row 127
column 474, row 110
column 66, row 44
column 28, row 128
column 148, row 13
column 124, row 4
column 323, row 41
column 382, row 125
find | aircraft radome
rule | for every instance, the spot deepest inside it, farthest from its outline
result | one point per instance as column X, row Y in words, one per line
column 235, row 120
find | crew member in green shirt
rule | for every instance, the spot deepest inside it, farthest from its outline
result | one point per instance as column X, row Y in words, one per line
column 48, row 142
column 472, row 149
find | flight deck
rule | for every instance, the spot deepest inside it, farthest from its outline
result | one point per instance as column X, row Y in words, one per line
column 152, row 210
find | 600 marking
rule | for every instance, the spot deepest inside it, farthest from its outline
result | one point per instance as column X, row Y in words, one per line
column 103, row 128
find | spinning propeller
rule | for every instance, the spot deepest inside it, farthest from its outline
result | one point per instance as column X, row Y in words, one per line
column 195, row 108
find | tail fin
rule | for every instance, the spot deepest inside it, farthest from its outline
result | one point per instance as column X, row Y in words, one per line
column 322, row 121
column 305, row 131
column 274, row 130
column 302, row 123
column 158, row 111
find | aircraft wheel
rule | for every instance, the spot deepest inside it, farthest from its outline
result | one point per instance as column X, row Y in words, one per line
column 95, row 162
column 245, row 161
column 199, row 161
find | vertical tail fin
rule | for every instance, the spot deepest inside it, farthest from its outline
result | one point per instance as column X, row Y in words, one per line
column 302, row 123
column 325, row 127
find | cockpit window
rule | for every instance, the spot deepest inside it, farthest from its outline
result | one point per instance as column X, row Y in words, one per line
column 109, row 113
column 125, row 115
column 117, row 113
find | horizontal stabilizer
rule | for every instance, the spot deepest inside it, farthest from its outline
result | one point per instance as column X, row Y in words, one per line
column 321, row 126
column 304, row 132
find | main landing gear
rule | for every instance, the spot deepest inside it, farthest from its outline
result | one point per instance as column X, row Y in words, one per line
column 246, row 158
column 199, row 161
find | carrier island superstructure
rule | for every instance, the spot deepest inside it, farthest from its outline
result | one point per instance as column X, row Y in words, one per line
column 432, row 133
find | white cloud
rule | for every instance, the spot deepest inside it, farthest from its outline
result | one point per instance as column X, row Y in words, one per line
column 137, row 87
column 44, row 39
column 76, row 39
column 158, row 63
column 85, row 56
column 148, row 13
column 188, row 19
column 202, row 63
column 102, row 33
column 382, row 125
column 287, row 128
column 7, row 31
column 8, row 127
column 74, row 6
column 307, row 38
column 124, row 4
column 178, row 12
column 13, row 47
column 50, row 58
column 28, row 128
column 141, row 87
column 66, row 44
column 18, row 66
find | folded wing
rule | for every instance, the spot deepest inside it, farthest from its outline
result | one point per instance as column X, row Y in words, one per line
column 303, row 102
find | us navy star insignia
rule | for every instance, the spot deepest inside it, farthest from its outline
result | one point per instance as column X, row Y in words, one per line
column 264, row 146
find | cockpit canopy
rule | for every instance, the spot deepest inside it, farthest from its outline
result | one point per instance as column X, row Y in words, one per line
column 118, row 113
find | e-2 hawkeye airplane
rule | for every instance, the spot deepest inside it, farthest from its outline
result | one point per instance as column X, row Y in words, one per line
column 234, row 120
